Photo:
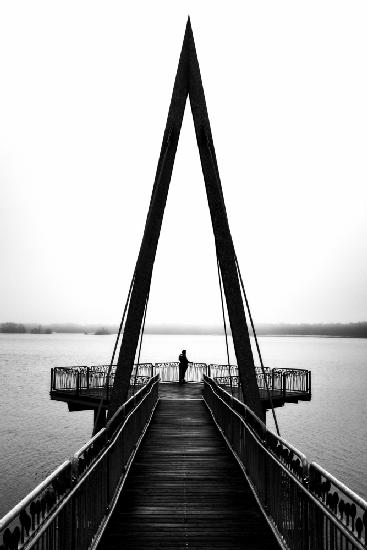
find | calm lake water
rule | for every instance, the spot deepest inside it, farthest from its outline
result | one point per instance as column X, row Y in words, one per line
column 37, row 434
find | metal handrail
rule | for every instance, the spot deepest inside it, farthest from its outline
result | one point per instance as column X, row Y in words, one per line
column 80, row 500
column 299, row 504
column 338, row 499
column 282, row 382
column 81, row 379
column 44, row 485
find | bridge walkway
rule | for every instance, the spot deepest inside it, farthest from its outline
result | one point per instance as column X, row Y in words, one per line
column 185, row 490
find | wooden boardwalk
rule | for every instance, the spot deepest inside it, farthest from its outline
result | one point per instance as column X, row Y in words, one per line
column 185, row 490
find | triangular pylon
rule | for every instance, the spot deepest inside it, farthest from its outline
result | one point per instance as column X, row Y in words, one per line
column 187, row 83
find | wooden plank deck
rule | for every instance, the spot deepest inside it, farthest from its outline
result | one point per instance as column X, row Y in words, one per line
column 185, row 490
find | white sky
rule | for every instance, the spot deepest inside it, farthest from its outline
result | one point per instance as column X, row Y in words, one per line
column 84, row 95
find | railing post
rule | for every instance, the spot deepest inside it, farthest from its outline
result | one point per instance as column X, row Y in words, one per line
column 77, row 382
column 208, row 371
column 87, row 378
column 52, row 380
column 284, row 385
column 272, row 379
column 107, row 482
column 108, row 387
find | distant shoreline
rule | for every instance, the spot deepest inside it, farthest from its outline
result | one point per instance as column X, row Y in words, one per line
column 322, row 330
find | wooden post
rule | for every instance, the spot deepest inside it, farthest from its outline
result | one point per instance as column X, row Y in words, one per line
column 272, row 379
column 284, row 384
column 77, row 382
column 87, row 378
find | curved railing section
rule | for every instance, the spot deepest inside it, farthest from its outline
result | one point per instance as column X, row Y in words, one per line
column 97, row 381
column 69, row 508
column 307, row 508
column 168, row 372
column 283, row 383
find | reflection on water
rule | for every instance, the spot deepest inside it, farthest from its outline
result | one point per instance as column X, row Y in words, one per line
column 37, row 434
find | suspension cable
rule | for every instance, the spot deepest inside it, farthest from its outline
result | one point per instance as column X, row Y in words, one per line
column 257, row 346
column 159, row 175
column 141, row 340
column 224, row 324
column 216, row 175
column 114, row 350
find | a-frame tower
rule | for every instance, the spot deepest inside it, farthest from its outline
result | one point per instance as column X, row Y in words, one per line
column 187, row 83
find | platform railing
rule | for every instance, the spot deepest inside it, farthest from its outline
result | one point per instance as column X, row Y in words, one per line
column 169, row 372
column 68, row 510
column 306, row 507
column 282, row 382
column 96, row 380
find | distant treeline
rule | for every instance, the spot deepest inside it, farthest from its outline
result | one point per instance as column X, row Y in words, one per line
column 71, row 328
column 341, row 330
column 19, row 328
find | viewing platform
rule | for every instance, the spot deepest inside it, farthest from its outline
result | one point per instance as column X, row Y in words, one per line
column 89, row 387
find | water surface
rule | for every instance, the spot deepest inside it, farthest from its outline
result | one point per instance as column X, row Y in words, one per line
column 37, row 434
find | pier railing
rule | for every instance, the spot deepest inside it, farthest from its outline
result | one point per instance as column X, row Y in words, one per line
column 168, row 372
column 97, row 380
column 307, row 508
column 282, row 382
column 69, row 508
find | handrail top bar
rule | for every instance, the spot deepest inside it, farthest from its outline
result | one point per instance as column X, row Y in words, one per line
column 238, row 401
column 250, row 411
column 290, row 368
column 291, row 447
column 111, row 441
column 133, row 397
column 87, row 444
column 5, row 520
column 350, row 536
column 76, row 487
column 264, row 427
column 338, row 484
column 351, row 494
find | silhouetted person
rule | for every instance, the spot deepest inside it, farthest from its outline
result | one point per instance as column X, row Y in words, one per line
column 184, row 363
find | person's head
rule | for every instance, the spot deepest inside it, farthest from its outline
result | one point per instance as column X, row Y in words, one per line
column 183, row 352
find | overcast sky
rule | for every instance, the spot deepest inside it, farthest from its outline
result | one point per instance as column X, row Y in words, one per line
column 84, row 95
